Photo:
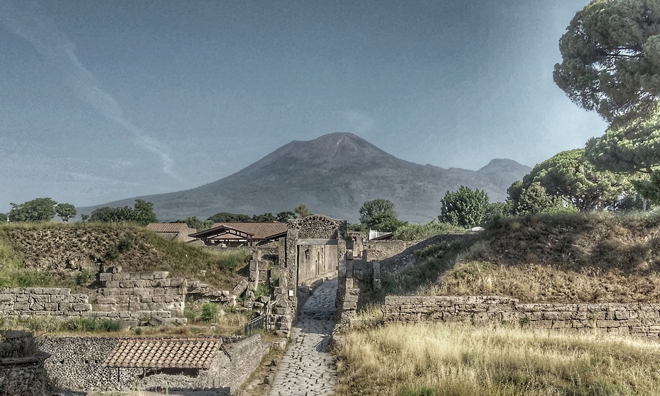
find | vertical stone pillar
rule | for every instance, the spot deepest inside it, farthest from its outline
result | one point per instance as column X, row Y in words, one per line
column 377, row 277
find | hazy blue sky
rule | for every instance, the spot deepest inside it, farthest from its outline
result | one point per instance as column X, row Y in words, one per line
column 101, row 100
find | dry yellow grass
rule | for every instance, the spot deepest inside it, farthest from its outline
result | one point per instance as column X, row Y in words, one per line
column 441, row 359
column 596, row 257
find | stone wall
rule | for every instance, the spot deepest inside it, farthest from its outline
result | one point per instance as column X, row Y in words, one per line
column 21, row 365
column 141, row 291
column 381, row 250
column 40, row 301
column 622, row 318
column 60, row 303
column 77, row 363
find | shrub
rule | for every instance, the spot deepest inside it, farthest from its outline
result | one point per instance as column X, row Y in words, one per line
column 263, row 290
column 210, row 312
column 85, row 277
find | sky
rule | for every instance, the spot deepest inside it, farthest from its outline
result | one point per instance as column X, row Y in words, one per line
column 104, row 100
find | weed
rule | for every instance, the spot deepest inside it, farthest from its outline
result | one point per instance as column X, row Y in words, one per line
column 210, row 312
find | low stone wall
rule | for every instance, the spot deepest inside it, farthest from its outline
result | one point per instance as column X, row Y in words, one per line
column 141, row 291
column 77, row 363
column 381, row 250
column 623, row 318
column 42, row 302
column 21, row 365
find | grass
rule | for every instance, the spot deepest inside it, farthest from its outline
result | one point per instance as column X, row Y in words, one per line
column 32, row 254
column 45, row 325
column 594, row 257
column 416, row 232
column 452, row 359
column 209, row 315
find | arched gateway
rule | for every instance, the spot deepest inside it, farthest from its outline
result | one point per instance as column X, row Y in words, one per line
column 315, row 248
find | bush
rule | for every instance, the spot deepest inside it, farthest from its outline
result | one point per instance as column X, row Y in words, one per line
column 210, row 312
column 234, row 260
column 263, row 290
column 85, row 277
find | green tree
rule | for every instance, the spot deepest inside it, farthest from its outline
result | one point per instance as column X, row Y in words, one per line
column 302, row 210
column 533, row 199
column 197, row 224
column 632, row 147
column 84, row 217
column 464, row 207
column 569, row 176
column 3, row 218
column 377, row 212
column 141, row 213
column 39, row 209
column 65, row 211
column 497, row 211
column 264, row 218
column 285, row 216
column 224, row 217
column 611, row 58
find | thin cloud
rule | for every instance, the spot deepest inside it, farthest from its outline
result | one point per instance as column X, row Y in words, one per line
column 32, row 24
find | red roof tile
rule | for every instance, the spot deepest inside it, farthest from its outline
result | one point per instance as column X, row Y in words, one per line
column 168, row 353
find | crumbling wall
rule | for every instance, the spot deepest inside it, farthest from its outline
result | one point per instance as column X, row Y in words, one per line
column 77, row 363
column 381, row 250
column 21, row 365
column 622, row 318
column 60, row 303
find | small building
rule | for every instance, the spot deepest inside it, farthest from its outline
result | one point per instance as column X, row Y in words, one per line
column 172, row 231
column 241, row 234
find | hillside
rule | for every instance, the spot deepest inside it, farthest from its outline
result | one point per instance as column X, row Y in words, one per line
column 57, row 254
column 334, row 175
column 598, row 257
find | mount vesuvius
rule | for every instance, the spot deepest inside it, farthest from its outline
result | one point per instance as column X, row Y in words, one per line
column 334, row 175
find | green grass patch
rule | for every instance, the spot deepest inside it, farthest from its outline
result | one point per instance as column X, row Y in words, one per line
column 56, row 325
column 416, row 232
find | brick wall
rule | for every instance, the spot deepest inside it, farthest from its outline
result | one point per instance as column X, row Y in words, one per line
column 623, row 318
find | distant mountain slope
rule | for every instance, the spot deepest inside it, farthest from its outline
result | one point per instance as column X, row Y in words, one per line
column 334, row 175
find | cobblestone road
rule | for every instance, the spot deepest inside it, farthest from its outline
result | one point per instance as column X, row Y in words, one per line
column 308, row 368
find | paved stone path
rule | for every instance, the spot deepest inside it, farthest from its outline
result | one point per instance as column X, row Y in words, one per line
column 308, row 368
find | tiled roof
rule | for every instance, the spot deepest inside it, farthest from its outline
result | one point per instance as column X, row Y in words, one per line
column 167, row 227
column 258, row 230
column 164, row 353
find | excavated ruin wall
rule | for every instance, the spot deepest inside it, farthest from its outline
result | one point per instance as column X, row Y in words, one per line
column 77, row 363
column 21, row 365
column 623, row 318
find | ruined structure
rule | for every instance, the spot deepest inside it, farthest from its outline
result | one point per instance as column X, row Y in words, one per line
column 21, row 365
column 115, row 363
column 315, row 249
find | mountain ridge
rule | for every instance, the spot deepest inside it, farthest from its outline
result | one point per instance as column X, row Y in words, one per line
column 333, row 174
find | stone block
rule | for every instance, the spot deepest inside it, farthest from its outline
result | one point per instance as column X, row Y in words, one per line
column 51, row 306
column 240, row 287
column 82, row 307
column 147, row 275
column 104, row 277
column 106, row 300
column 7, row 297
column 37, row 307
column 161, row 274
column 121, row 276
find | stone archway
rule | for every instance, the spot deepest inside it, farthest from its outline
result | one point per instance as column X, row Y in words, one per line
column 315, row 247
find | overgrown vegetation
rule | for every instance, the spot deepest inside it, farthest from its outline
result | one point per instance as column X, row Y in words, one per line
column 416, row 232
column 443, row 359
column 56, row 325
column 27, row 251
column 596, row 257
column 225, row 322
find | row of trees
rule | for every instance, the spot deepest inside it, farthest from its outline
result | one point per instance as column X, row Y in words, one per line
column 38, row 209
column 142, row 213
